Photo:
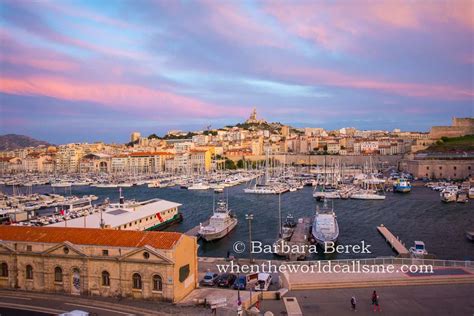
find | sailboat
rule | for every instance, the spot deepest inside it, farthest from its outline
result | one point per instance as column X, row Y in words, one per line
column 284, row 234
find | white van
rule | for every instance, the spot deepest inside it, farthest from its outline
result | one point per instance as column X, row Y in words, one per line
column 263, row 282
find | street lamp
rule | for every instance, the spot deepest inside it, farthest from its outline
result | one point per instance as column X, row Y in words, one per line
column 249, row 217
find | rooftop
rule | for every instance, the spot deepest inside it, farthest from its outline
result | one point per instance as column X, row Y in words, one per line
column 130, row 213
column 90, row 236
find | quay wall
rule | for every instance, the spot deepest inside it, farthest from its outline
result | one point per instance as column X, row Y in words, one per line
column 439, row 168
column 357, row 160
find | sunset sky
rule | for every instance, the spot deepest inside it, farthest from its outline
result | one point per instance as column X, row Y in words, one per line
column 98, row 70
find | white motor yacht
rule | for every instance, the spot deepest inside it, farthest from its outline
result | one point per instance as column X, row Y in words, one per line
column 220, row 224
column 325, row 227
column 367, row 195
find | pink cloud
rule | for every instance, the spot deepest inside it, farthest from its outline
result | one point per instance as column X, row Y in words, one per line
column 328, row 77
column 15, row 53
column 39, row 62
column 116, row 95
column 231, row 21
column 337, row 25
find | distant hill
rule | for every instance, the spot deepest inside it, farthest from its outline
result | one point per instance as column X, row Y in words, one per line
column 14, row 141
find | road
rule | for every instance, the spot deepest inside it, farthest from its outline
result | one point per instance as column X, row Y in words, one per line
column 403, row 300
column 28, row 303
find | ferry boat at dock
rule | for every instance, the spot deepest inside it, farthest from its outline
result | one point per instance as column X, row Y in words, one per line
column 154, row 214
column 220, row 224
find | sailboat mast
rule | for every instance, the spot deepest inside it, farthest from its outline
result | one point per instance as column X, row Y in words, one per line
column 279, row 212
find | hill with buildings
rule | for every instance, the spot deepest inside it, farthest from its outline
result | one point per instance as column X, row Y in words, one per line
column 15, row 141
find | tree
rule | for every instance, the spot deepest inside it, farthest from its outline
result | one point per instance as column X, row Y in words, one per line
column 229, row 164
column 154, row 136
column 240, row 164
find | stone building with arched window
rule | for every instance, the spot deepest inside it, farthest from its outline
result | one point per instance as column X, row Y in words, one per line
column 81, row 261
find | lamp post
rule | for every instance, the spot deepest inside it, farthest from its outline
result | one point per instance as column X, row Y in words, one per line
column 249, row 217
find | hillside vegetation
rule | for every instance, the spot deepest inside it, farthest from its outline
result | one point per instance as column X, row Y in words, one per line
column 453, row 144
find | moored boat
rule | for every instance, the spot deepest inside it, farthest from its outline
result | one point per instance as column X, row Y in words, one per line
column 462, row 197
column 470, row 235
column 61, row 185
column 471, row 193
column 402, row 186
column 325, row 227
column 418, row 249
column 220, row 224
column 448, row 195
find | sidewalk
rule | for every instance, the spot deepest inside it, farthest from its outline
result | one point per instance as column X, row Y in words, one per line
column 442, row 275
column 432, row 300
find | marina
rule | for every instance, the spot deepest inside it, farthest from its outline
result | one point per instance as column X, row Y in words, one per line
column 356, row 219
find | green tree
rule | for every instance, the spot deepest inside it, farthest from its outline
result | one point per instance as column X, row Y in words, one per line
column 229, row 164
column 240, row 163
column 154, row 136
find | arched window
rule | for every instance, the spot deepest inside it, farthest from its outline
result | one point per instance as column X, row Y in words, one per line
column 58, row 274
column 137, row 281
column 157, row 283
column 4, row 272
column 29, row 272
column 105, row 278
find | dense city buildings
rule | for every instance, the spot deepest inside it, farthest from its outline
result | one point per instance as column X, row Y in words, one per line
column 204, row 151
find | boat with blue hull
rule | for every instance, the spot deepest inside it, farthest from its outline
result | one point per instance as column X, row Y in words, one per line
column 402, row 186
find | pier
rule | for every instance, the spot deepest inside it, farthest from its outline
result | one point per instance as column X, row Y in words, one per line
column 300, row 237
column 393, row 241
column 195, row 230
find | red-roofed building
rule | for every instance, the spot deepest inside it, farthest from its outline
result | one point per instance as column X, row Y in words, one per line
column 82, row 261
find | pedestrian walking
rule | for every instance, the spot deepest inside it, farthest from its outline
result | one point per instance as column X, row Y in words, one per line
column 375, row 301
column 353, row 303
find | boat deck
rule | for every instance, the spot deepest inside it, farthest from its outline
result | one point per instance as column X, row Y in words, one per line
column 195, row 230
column 393, row 241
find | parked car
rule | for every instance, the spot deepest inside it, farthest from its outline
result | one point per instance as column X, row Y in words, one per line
column 209, row 279
column 226, row 280
column 263, row 282
column 240, row 283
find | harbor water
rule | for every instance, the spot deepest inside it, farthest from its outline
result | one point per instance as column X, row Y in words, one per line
column 418, row 215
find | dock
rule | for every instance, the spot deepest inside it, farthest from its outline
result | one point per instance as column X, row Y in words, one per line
column 300, row 237
column 394, row 242
column 193, row 232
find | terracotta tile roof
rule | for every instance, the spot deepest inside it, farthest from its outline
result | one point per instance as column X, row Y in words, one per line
column 90, row 236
